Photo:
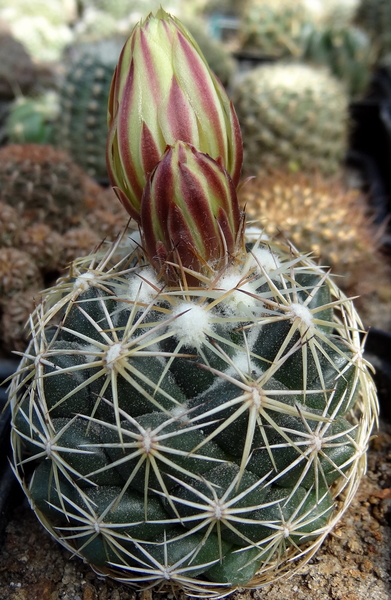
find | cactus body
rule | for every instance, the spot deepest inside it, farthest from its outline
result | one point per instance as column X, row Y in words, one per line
column 31, row 119
column 323, row 218
column 346, row 50
column 374, row 16
column 274, row 28
column 51, row 212
column 196, row 438
column 81, row 128
column 292, row 117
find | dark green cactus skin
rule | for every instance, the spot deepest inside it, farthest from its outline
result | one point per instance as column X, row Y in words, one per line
column 147, row 469
column 81, row 127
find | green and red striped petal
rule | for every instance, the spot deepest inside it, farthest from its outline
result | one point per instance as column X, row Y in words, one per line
column 163, row 91
column 190, row 213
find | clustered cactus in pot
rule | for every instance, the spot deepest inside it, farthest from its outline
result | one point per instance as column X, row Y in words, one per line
column 193, row 414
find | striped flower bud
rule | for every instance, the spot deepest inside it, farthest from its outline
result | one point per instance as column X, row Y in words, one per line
column 163, row 91
column 190, row 215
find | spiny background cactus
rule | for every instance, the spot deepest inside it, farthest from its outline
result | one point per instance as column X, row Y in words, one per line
column 345, row 50
column 374, row 16
column 274, row 27
column 193, row 409
column 334, row 224
column 81, row 129
column 51, row 212
column 14, row 316
column 292, row 116
column 44, row 185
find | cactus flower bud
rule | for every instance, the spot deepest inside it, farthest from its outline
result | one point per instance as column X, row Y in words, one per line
column 190, row 214
column 163, row 91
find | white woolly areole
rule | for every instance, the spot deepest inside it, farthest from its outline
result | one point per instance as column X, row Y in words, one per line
column 262, row 257
column 191, row 326
column 83, row 282
column 316, row 442
column 244, row 364
column 239, row 291
column 144, row 287
column 303, row 313
column 113, row 354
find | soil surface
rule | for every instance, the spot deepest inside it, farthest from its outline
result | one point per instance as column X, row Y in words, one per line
column 354, row 562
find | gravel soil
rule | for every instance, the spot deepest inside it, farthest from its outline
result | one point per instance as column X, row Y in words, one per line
column 354, row 563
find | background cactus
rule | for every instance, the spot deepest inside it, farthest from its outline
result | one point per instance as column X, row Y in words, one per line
column 292, row 116
column 42, row 184
column 196, row 437
column 31, row 119
column 274, row 28
column 345, row 50
column 374, row 16
column 335, row 225
column 51, row 212
column 81, row 129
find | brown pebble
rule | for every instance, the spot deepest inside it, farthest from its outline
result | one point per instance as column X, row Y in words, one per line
column 40, row 591
column 89, row 593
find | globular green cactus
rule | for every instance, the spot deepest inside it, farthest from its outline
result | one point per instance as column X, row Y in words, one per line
column 292, row 116
column 31, row 119
column 374, row 16
column 193, row 410
column 193, row 436
column 81, row 128
column 274, row 28
column 345, row 50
